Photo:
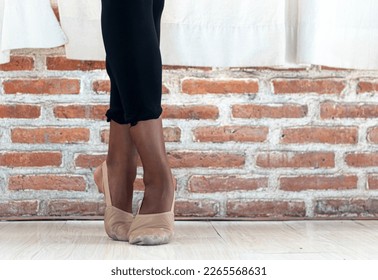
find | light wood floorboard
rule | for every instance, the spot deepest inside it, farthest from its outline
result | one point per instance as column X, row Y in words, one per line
column 292, row 240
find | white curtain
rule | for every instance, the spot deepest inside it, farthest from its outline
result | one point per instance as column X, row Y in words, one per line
column 28, row 24
column 80, row 19
column 338, row 33
column 223, row 33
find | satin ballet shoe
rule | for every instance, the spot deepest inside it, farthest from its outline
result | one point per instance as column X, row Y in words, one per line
column 153, row 229
column 116, row 221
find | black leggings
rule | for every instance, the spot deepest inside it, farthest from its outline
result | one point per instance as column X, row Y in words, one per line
column 131, row 35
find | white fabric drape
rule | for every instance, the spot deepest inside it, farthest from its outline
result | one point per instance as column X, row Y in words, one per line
column 342, row 33
column 80, row 20
column 223, row 33
column 337, row 33
column 4, row 54
column 28, row 24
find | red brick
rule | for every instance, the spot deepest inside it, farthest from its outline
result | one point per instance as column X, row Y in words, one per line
column 318, row 182
column 71, row 207
column 104, row 86
column 266, row 209
column 331, row 110
column 178, row 159
column 328, row 68
column 296, row 159
column 226, row 183
column 186, row 68
column 64, row 64
column 42, row 86
column 254, row 111
column 101, row 86
column 372, row 135
column 95, row 112
column 203, row 86
column 89, row 161
column 194, row 112
column 196, row 208
column 231, row 133
column 16, row 111
column 35, row 159
column 171, row 134
column 330, row 135
column 18, row 63
column 47, row 182
column 361, row 159
column 366, row 86
column 50, row 135
column 373, row 182
column 320, row 86
column 15, row 208
column 354, row 207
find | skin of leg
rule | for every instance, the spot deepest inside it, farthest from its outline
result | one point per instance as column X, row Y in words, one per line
column 121, row 161
column 157, row 176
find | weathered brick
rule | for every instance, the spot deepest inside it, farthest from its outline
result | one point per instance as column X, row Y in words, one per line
column 373, row 182
column 35, row 159
column 331, row 110
column 365, row 86
column 104, row 86
column 354, row 207
column 16, row 208
column 101, row 86
column 71, row 207
column 296, row 159
column 186, row 68
column 231, row 133
column 318, row 182
column 203, row 86
column 194, row 112
column 361, row 159
column 47, row 182
column 18, row 63
column 171, row 134
column 181, row 159
column 20, row 111
column 329, row 135
column 372, row 135
column 50, row 135
column 42, row 86
column 89, row 161
column 95, row 112
column 255, row 111
column 226, row 183
column 64, row 64
column 266, row 209
column 196, row 208
column 320, row 86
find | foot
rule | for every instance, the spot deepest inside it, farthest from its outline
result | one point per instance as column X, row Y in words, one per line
column 158, row 198
column 120, row 185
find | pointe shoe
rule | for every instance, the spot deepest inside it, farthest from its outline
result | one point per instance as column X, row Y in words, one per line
column 153, row 229
column 116, row 221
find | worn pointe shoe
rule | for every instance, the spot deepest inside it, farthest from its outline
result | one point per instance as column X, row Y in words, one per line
column 116, row 221
column 153, row 229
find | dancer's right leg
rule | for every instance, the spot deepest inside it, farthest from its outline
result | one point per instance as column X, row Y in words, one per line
column 122, row 166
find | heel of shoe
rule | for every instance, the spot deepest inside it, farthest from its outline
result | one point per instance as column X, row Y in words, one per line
column 116, row 221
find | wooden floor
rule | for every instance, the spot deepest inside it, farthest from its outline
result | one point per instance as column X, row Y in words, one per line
column 216, row 240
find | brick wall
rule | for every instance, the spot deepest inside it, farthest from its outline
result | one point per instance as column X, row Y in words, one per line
column 255, row 143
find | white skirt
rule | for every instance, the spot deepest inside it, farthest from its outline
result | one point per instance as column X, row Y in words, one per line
column 28, row 24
